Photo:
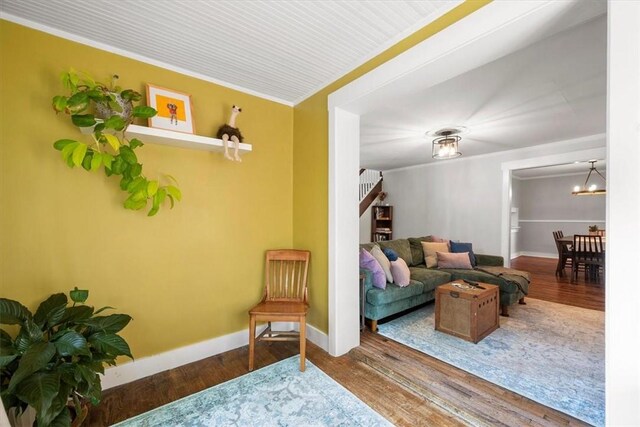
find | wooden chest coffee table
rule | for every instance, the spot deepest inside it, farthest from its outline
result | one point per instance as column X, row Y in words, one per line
column 467, row 312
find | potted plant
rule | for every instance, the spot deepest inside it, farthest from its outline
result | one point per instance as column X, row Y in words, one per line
column 108, row 110
column 593, row 229
column 53, row 361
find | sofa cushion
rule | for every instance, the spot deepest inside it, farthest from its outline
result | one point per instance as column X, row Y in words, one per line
column 429, row 278
column 454, row 260
column 458, row 247
column 400, row 272
column 369, row 262
column 390, row 254
column 400, row 247
column 415, row 245
column 376, row 252
column 367, row 246
column 393, row 293
column 430, row 249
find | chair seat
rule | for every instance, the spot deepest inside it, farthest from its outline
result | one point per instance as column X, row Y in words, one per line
column 284, row 308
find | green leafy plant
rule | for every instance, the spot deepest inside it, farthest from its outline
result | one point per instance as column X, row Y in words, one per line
column 53, row 362
column 593, row 228
column 109, row 110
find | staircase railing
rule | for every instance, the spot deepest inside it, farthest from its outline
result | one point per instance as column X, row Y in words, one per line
column 370, row 186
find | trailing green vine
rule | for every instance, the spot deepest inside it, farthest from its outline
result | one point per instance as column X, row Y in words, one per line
column 109, row 110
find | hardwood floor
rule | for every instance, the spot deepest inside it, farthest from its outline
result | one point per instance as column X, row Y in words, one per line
column 405, row 386
column 545, row 285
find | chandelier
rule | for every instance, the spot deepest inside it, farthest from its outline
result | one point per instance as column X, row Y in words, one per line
column 590, row 189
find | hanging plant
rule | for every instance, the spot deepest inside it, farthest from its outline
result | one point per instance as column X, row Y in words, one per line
column 109, row 110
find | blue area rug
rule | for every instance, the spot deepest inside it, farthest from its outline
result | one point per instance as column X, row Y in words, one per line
column 277, row 395
column 550, row 353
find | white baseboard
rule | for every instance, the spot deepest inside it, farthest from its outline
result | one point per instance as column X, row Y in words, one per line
column 171, row 359
column 537, row 254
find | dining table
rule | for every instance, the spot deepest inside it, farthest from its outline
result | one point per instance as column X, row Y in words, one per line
column 568, row 240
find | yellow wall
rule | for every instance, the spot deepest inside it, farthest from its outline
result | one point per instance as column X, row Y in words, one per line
column 185, row 275
column 310, row 163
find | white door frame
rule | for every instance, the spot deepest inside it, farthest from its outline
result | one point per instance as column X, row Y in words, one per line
column 536, row 162
column 457, row 47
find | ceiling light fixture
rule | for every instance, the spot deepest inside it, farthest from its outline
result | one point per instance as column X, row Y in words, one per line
column 446, row 146
column 590, row 190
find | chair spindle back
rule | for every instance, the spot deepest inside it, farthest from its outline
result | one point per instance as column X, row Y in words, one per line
column 286, row 275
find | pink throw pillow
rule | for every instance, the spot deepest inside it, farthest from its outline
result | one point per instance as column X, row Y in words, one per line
column 400, row 272
column 368, row 262
column 454, row 260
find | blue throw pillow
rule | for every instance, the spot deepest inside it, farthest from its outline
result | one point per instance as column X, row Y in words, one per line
column 458, row 247
column 391, row 254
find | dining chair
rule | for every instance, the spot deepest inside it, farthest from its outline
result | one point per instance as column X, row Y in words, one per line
column 284, row 300
column 589, row 251
column 564, row 253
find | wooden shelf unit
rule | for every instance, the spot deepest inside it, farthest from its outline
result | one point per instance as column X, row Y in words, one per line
column 176, row 139
column 381, row 223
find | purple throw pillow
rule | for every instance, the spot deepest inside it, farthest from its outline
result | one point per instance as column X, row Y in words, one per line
column 400, row 272
column 453, row 260
column 370, row 263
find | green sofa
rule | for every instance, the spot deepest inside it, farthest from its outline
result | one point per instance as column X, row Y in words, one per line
column 381, row 303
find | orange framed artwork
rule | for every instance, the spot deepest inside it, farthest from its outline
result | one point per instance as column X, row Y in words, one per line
column 175, row 111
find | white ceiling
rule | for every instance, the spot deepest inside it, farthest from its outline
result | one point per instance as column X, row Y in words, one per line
column 577, row 168
column 284, row 50
column 551, row 90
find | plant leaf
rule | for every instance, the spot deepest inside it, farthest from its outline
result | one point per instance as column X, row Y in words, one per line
column 115, row 122
column 86, row 162
column 171, row 200
column 110, row 344
column 135, row 143
column 34, row 358
column 107, row 160
column 63, row 419
column 152, row 188
column 113, row 141
column 175, row 192
column 111, row 324
column 51, row 310
column 137, row 184
column 71, row 344
column 61, row 143
column 128, row 155
column 131, row 95
column 143, row 111
column 135, row 170
column 83, row 120
column 100, row 310
column 59, row 103
column 39, row 390
column 77, row 313
column 12, row 312
column 96, row 161
column 78, row 102
column 67, row 151
column 78, row 153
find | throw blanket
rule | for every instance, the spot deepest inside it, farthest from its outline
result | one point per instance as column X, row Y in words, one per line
column 519, row 278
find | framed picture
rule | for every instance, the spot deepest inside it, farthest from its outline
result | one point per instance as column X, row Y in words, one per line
column 174, row 109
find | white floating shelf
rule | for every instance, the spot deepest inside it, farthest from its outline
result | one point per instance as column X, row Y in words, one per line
column 177, row 139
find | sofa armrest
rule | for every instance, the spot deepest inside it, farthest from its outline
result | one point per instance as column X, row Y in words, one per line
column 368, row 279
column 489, row 260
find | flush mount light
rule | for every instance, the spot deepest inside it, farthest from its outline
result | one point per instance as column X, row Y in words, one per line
column 445, row 146
column 590, row 189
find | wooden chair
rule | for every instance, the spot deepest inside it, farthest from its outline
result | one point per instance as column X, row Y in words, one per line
column 564, row 253
column 284, row 300
column 588, row 251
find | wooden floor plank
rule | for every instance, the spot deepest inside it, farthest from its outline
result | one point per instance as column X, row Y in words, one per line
column 405, row 386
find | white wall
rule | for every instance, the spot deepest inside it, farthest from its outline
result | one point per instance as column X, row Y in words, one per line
column 546, row 205
column 462, row 199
